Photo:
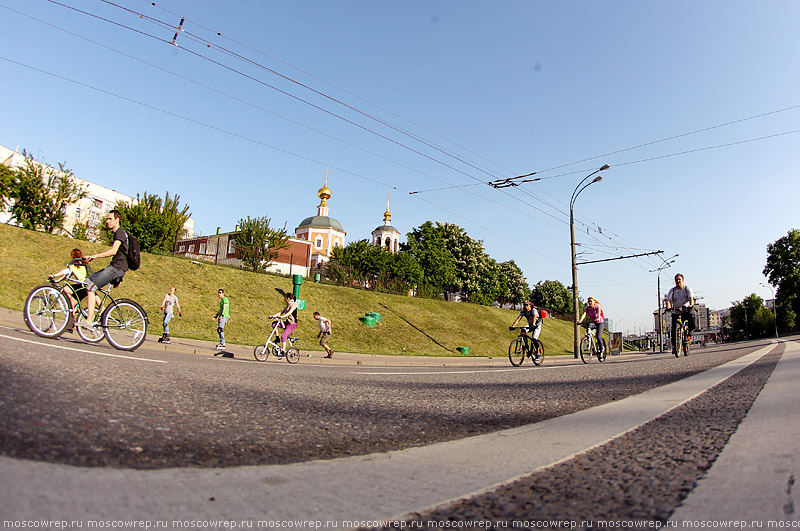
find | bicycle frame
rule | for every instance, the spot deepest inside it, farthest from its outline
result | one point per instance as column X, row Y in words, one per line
column 270, row 346
column 278, row 324
column 68, row 281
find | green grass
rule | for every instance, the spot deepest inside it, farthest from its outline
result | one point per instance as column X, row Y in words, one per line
column 411, row 326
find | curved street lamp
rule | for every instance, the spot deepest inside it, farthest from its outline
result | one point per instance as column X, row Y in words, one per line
column 667, row 262
column 575, row 193
column 774, row 307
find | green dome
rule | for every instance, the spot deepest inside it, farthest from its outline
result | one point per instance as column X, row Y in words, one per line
column 321, row 222
column 387, row 228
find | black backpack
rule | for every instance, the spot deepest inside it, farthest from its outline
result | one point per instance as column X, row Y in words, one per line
column 133, row 254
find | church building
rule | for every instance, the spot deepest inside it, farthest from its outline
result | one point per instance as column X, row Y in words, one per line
column 324, row 232
column 387, row 236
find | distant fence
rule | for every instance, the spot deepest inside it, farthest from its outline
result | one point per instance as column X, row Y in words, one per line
column 211, row 259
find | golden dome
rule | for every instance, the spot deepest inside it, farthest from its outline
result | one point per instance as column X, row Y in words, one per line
column 387, row 216
column 324, row 193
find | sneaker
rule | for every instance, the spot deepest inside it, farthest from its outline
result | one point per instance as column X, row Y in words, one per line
column 330, row 354
column 220, row 347
column 85, row 324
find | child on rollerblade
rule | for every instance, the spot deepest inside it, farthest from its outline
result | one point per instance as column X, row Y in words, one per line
column 169, row 306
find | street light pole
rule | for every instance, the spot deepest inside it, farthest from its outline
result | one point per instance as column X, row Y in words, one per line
column 774, row 307
column 667, row 262
column 575, row 193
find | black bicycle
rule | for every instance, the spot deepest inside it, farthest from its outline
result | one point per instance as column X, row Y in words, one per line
column 48, row 313
column 523, row 346
column 682, row 339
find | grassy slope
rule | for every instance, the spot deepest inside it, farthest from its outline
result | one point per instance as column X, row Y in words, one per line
column 408, row 326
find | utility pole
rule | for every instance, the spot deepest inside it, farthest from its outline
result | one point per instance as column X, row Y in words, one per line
column 667, row 262
column 575, row 314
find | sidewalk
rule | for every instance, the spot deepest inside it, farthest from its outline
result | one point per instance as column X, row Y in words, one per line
column 198, row 346
column 753, row 479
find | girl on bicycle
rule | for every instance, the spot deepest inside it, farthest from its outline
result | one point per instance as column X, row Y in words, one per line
column 596, row 318
column 289, row 313
column 76, row 269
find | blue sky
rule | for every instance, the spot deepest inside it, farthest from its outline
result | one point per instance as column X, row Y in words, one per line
column 464, row 93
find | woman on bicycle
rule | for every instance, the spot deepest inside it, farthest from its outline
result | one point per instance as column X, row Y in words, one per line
column 76, row 269
column 596, row 317
column 289, row 313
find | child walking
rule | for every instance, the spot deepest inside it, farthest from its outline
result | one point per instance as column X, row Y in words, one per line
column 324, row 333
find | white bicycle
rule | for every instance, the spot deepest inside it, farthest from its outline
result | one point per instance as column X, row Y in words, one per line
column 271, row 346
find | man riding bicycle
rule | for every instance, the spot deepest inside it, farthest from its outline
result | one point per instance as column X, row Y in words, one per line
column 530, row 313
column 681, row 298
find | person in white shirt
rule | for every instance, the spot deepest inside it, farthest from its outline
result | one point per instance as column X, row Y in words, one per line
column 324, row 333
column 681, row 298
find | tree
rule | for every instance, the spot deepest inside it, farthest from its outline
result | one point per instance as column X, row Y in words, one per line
column 362, row 264
column 749, row 318
column 472, row 263
column 405, row 273
column 427, row 246
column 514, row 286
column 783, row 271
column 80, row 231
column 258, row 244
column 39, row 194
column 553, row 295
column 7, row 180
column 155, row 223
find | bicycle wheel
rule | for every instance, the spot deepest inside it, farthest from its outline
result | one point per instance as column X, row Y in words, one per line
column 292, row 355
column 586, row 349
column 94, row 335
column 261, row 352
column 46, row 311
column 516, row 352
column 125, row 324
column 687, row 338
column 601, row 356
column 537, row 356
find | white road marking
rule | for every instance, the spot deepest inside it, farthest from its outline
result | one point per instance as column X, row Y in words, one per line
column 80, row 350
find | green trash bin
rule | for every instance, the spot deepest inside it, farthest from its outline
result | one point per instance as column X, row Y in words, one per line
column 376, row 316
column 368, row 320
column 317, row 277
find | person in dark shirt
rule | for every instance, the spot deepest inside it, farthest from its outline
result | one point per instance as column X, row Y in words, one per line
column 530, row 313
column 113, row 272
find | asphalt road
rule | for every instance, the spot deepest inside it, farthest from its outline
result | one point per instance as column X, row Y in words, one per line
column 67, row 402
column 166, row 433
